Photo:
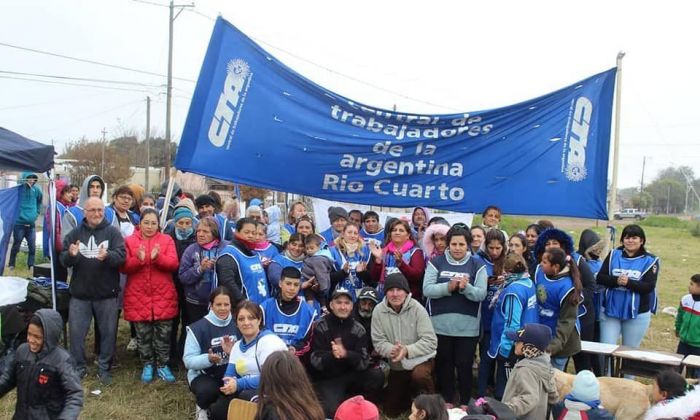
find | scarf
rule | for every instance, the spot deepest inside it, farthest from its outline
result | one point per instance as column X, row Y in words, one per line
column 211, row 245
column 510, row 278
column 389, row 260
column 297, row 259
column 248, row 244
column 404, row 248
column 260, row 246
column 530, row 351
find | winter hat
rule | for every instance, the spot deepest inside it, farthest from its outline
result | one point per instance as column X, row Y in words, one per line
column 356, row 408
column 255, row 202
column 204, row 200
column 368, row 293
column 397, row 280
column 187, row 203
column 335, row 213
column 181, row 213
column 586, row 387
column 537, row 335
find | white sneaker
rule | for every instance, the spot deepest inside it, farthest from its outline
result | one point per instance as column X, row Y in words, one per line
column 201, row 414
column 132, row 346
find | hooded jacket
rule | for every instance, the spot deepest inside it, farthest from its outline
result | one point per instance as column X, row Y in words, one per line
column 530, row 388
column 149, row 294
column 274, row 224
column 685, row 407
column 72, row 218
column 93, row 279
column 427, row 243
column 29, row 200
column 48, row 386
column 590, row 245
column 411, row 326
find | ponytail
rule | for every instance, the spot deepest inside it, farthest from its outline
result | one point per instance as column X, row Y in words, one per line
column 575, row 298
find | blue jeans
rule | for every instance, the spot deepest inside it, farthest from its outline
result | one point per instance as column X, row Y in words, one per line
column 632, row 330
column 80, row 315
column 559, row 362
column 20, row 232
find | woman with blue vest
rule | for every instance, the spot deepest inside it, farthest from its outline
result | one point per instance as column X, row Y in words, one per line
column 559, row 295
column 204, row 356
column 401, row 253
column 292, row 255
column 351, row 256
column 242, row 266
column 455, row 286
column 296, row 211
column 629, row 274
column 515, row 305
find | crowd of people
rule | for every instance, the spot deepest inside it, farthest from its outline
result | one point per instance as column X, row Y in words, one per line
column 390, row 312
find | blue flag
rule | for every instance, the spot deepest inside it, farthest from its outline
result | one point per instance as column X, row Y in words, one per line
column 255, row 121
column 9, row 210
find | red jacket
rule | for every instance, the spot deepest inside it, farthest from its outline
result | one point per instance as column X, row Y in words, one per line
column 150, row 293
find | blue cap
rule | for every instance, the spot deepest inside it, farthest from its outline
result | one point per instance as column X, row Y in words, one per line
column 537, row 335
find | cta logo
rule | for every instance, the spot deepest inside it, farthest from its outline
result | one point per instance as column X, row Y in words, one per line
column 231, row 101
column 579, row 125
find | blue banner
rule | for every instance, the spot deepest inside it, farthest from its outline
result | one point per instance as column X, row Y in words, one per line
column 9, row 210
column 255, row 121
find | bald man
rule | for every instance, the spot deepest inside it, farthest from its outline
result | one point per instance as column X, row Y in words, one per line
column 95, row 250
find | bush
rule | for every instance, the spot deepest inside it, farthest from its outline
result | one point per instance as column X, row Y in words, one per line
column 695, row 229
column 665, row 222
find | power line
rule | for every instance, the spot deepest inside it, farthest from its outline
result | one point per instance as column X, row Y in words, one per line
column 84, row 79
column 98, row 63
column 73, row 84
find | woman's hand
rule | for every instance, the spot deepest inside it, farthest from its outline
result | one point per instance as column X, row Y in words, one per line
column 360, row 267
column 623, row 280
column 229, row 387
column 141, row 253
column 214, row 358
column 397, row 257
column 308, row 283
column 206, row 264
column 155, row 251
column 227, row 344
column 376, row 252
column 346, row 267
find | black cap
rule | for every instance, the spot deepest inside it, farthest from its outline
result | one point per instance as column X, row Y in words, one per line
column 368, row 293
column 340, row 292
column 537, row 335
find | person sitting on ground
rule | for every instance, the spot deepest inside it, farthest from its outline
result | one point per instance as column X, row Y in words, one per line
column 583, row 402
column 285, row 390
column 316, row 272
column 340, row 357
column 288, row 315
column 531, row 386
column 428, row 407
column 48, row 386
column 673, row 398
column 403, row 334
column 357, row 408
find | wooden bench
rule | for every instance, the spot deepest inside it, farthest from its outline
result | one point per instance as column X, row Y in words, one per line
column 648, row 363
column 601, row 349
column 691, row 362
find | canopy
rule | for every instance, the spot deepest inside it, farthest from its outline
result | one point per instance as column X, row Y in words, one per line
column 21, row 154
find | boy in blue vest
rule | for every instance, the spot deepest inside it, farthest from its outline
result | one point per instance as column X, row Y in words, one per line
column 288, row 315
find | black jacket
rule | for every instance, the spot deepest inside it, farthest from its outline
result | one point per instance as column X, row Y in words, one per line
column 354, row 339
column 93, row 279
column 48, row 386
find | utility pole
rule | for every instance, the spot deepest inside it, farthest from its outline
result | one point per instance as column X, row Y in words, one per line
column 169, row 93
column 148, row 139
column 104, row 140
column 668, row 200
column 641, row 186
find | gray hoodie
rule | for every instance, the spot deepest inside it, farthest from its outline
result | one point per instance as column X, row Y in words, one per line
column 48, row 386
column 530, row 388
column 74, row 215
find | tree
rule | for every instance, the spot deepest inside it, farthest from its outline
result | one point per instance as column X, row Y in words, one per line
column 87, row 157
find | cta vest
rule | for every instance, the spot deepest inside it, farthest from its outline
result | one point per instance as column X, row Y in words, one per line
column 377, row 238
column 290, row 328
column 352, row 282
column 524, row 291
column 621, row 302
column 210, row 336
column 253, row 277
column 550, row 296
column 456, row 302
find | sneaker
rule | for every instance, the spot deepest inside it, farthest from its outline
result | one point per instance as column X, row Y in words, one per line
column 201, row 414
column 105, row 377
column 165, row 374
column 147, row 374
column 132, row 346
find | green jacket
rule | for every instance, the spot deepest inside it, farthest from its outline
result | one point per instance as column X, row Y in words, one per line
column 688, row 321
column 29, row 200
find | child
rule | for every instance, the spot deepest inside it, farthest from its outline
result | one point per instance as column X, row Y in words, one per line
column 435, row 241
column 493, row 256
column 316, row 272
column 428, row 407
column 514, row 306
column 531, row 385
column 558, row 295
column 673, row 399
column 688, row 323
column 48, row 386
column 583, row 402
column 357, row 408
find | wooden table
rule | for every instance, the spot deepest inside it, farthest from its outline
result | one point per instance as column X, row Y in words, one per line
column 647, row 363
column 601, row 349
column 691, row 362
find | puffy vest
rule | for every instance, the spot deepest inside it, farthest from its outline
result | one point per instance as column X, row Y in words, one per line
column 524, row 291
column 456, row 302
column 621, row 302
column 253, row 277
column 351, row 282
column 210, row 336
column 290, row 328
column 550, row 296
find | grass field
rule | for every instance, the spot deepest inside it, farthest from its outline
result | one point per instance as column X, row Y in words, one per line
column 127, row 398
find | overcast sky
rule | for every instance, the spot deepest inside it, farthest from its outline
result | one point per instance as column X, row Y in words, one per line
column 424, row 57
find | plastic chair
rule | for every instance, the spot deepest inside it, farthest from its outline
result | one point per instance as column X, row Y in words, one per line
column 241, row 410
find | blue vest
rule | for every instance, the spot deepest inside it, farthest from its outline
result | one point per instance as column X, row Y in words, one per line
column 524, row 291
column 289, row 228
column 290, row 328
column 551, row 294
column 284, row 261
column 222, row 223
column 456, row 302
column 78, row 214
column 351, row 282
column 328, row 236
column 599, row 291
column 621, row 302
column 210, row 336
column 486, row 312
column 268, row 254
column 377, row 238
column 253, row 277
